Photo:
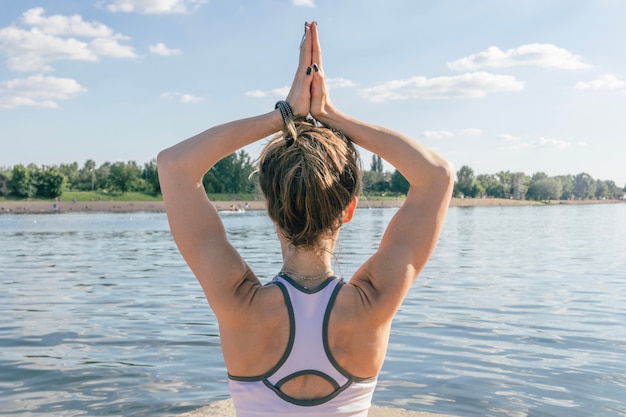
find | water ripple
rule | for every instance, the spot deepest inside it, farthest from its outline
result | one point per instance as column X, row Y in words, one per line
column 520, row 312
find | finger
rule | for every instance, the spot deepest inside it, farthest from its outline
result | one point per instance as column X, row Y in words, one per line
column 306, row 25
column 318, row 83
column 305, row 48
column 316, row 50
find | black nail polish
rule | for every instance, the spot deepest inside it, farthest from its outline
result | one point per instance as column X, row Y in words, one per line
column 308, row 70
column 316, row 68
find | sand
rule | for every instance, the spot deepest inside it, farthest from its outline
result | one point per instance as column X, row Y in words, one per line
column 225, row 408
column 25, row 206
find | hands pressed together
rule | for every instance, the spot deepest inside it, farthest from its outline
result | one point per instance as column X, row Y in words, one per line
column 308, row 93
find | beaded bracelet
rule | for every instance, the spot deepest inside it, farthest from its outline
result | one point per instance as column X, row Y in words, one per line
column 285, row 110
column 287, row 114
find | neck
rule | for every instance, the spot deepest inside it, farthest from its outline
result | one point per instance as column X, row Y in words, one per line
column 307, row 265
column 306, row 278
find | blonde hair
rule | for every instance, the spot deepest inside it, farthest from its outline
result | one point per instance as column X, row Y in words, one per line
column 308, row 182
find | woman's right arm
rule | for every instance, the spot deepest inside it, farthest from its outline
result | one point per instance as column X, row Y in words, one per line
column 412, row 234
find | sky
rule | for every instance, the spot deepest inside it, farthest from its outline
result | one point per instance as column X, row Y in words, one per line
column 523, row 86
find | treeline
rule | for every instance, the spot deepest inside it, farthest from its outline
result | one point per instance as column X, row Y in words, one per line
column 233, row 175
column 539, row 186
column 51, row 181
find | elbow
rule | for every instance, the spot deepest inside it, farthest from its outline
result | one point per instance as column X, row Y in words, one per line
column 162, row 159
column 438, row 182
column 165, row 161
column 443, row 173
column 448, row 175
column 163, row 168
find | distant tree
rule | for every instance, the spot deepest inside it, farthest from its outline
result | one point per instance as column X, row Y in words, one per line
column 20, row 183
column 464, row 180
column 122, row 175
column 244, row 169
column 492, row 185
column 151, row 176
column 230, row 175
column 211, row 184
column 102, row 176
column 368, row 179
column 613, row 191
column 544, row 188
column 467, row 185
column 567, row 187
column 50, row 182
column 377, row 164
column 507, row 181
column 538, row 176
column 87, row 176
column 399, row 184
column 70, row 171
column 4, row 176
column 380, row 187
column 584, row 186
column 601, row 190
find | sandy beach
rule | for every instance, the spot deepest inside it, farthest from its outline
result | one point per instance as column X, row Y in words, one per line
column 25, row 206
column 225, row 408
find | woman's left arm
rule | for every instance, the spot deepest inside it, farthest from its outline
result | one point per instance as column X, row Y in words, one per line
column 194, row 221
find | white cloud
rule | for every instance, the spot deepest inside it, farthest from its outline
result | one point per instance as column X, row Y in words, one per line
column 544, row 143
column 110, row 47
column 276, row 92
column 182, row 98
column 163, row 50
column 437, row 134
column 505, row 137
column 153, row 6
column 256, row 93
column 339, row 83
column 303, row 3
column 470, row 131
column 32, row 50
column 59, row 25
column 188, row 98
column 280, row 92
column 540, row 54
column 51, row 39
column 37, row 91
column 443, row 134
column 605, row 82
column 470, row 85
column 550, row 143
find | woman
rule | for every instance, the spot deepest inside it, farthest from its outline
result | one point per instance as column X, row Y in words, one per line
column 307, row 343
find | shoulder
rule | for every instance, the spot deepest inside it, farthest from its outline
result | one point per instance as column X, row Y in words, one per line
column 247, row 300
column 376, row 291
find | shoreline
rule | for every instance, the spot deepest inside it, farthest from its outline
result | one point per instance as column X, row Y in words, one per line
column 42, row 207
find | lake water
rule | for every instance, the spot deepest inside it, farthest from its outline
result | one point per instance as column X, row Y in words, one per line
column 520, row 312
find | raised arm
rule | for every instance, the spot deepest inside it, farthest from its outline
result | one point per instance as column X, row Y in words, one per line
column 194, row 221
column 413, row 232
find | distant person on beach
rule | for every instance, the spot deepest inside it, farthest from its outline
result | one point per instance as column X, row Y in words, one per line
column 308, row 342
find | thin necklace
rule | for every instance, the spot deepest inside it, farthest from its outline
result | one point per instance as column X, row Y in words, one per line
column 292, row 274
